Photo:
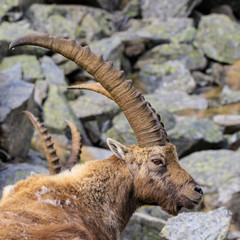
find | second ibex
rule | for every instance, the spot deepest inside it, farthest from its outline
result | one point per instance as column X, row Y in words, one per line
column 96, row 200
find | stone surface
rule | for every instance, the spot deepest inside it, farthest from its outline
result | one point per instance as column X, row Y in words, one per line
column 92, row 104
column 171, row 75
column 213, row 225
column 111, row 48
column 175, row 100
column 185, row 53
column 229, row 96
column 172, row 30
column 165, row 9
column 231, row 123
column 18, row 171
column 191, row 134
column 7, row 5
column 218, row 171
column 53, row 74
column 40, row 93
column 122, row 132
column 143, row 227
column 219, row 38
column 30, row 65
column 91, row 153
column 16, row 96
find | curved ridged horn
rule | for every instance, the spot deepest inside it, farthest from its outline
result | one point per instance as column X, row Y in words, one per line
column 96, row 87
column 143, row 119
column 50, row 152
column 76, row 146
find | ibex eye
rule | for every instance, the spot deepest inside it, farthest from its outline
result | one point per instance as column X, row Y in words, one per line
column 157, row 161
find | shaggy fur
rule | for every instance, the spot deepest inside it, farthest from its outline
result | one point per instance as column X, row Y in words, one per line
column 95, row 200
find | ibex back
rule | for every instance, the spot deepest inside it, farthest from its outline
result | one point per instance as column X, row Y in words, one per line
column 95, row 200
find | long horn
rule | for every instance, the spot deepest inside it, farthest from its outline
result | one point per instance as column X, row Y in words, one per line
column 96, row 87
column 76, row 146
column 143, row 119
column 50, row 152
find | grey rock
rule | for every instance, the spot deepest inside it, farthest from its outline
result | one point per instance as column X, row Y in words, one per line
column 229, row 96
column 122, row 132
column 53, row 74
column 185, row 53
column 143, row 227
column 165, row 9
column 92, row 104
column 10, row 32
column 132, row 9
column 30, row 65
column 202, row 79
column 231, row 123
column 213, row 225
column 91, row 153
column 111, row 48
column 40, row 93
column 171, row 75
column 16, row 96
column 218, row 171
column 172, row 30
column 175, row 100
column 219, row 38
column 191, row 134
column 18, row 171
column 6, row 6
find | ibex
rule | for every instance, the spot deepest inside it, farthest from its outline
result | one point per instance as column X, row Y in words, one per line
column 95, row 200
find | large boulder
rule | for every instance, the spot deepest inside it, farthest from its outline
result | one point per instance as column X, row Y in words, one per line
column 191, row 134
column 165, row 9
column 171, row 75
column 219, row 38
column 213, row 225
column 16, row 96
column 191, row 57
column 30, row 65
column 175, row 100
column 218, row 171
column 172, row 30
column 229, row 96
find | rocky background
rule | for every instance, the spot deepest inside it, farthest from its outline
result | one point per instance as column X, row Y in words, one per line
column 183, row 55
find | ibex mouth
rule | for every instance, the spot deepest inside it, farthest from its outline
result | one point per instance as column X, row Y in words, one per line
column 191, row 203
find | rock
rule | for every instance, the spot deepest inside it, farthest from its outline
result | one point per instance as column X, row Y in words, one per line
column 16, row 96
column 192, row 58
column 191, row 134
column 143, row 227
column 202, row 79
column 92, row 105
column 6, row 6
column 91, row 153
column 218, row 171
column 10, row 32
column 213, row 225
column 233, row 140
column 18, row 171
column 233, row 75
column 174, row 101
column 171, row 75
column 226, row 10
column 53, row 74
column 165, row 9
column 122, row 132
column 132, row 9
column 75, row 21
column 219, row 38
column 30, row 65
column 40, row 93
column 231, row 123
column 57, row 110
column 172, row 30
column 111, row 48
column 229, row 96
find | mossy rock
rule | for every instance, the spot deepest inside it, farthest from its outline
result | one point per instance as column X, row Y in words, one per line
column 185, row 53
column 171, row 75
column 219, row 38
column 6, row 5
column 30, row 66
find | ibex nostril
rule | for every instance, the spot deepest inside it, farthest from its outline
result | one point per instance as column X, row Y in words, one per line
column 199, row 190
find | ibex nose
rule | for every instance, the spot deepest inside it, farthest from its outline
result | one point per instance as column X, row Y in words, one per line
column 199, row 190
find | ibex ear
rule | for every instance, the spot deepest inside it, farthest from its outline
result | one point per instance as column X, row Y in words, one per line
column 117, row 148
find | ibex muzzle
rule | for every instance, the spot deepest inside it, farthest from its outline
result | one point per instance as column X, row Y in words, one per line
column 96, row 200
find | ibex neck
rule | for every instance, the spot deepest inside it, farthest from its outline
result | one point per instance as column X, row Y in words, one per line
column 110, row 195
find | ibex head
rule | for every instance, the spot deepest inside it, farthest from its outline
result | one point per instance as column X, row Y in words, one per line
column 157, row 175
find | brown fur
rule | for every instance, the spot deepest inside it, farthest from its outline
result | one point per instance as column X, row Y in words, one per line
column 95, row 200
